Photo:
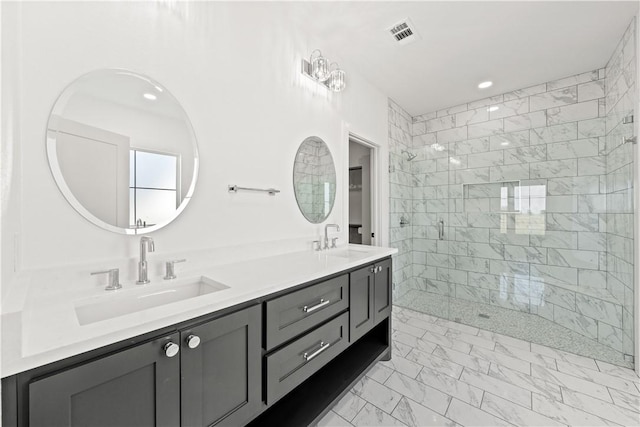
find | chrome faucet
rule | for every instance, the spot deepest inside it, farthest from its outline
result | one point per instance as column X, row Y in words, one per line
column 326, row 234
column 146, row 243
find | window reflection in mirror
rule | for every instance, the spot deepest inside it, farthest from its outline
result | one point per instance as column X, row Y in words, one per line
column 154, row 187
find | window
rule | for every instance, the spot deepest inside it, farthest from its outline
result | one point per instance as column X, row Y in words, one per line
column 153, row 187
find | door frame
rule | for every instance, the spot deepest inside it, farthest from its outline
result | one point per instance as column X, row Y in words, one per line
column 376, row 185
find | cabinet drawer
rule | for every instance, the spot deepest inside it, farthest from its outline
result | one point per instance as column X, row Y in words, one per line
column 295, row 313
column 291, row 365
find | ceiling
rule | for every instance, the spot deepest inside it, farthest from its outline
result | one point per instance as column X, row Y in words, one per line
column 514, row 44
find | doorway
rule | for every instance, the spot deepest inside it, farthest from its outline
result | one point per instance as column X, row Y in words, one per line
column 360, row 193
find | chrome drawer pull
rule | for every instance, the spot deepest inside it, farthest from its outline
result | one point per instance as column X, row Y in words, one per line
column 323, row 347
column 313, row 308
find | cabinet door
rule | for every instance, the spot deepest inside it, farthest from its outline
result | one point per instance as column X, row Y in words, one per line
column 135, row 387
column 221, row 378
column 383, row 288
column 361, row 293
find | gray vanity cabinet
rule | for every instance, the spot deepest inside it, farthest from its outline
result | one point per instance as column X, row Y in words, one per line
column 139, row 386
column 221, row 370
column 370, row 298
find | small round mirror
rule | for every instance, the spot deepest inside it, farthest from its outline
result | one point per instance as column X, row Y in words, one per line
column 122, row 151
column 314, row 179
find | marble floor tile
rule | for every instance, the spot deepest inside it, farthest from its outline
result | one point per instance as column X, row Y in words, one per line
column 333, row 420
column 467, row 415
column 600, row 408
column 502, row 359
column 598, row 377
column 380, row 373
column 470, row 339
column 463, row 359
column 371, row 416
column 415, row 415
column 484, row 379
column 571, row 382
column 526, row 355
column 497, row 387
column 458, row 326
column 404, row 366
column 447, row 341
column 625, row 400
column 436, row 363
column 419, row 392
column 451, row 386
column 567, row 414
column 516, row 414
column 504, row 339
column 374, row 392
column 349, row 406
column 534, row 385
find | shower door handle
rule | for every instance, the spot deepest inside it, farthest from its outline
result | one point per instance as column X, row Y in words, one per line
column 441, row 229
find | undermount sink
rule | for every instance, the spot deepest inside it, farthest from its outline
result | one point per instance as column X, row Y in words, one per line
column 349, row 252
column 130, row 301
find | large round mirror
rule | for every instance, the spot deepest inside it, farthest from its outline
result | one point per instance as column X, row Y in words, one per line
column 314, row 179
column 122, row 151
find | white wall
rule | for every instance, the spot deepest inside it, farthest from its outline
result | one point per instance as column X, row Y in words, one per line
column 235, row 69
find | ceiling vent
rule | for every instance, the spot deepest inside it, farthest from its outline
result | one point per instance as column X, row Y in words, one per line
column 403, row 32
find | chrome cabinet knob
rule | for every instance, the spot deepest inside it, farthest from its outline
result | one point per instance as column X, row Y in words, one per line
column 193, row 341
column 171, row 349
column 373, row 269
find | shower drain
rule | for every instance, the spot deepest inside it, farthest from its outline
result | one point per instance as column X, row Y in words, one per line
column 484, row 316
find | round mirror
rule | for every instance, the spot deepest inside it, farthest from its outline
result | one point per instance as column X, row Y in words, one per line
column 314, row 179
column 122, row 151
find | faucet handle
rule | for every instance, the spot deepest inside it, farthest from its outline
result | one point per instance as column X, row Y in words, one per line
column 170, row 269
column 333, row 242
column 317, row 246
column 114, row 278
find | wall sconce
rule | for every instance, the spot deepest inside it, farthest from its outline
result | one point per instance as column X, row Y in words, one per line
column 318, row 69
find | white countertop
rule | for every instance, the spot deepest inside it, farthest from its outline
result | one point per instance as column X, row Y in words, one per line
column 44, row 328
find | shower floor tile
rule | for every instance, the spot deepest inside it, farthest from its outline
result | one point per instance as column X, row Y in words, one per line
column 511, row 325
column 491, row 380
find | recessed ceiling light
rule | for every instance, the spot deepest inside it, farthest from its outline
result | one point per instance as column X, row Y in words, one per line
column 485, row 85
column 150, row 96
column 493, row 108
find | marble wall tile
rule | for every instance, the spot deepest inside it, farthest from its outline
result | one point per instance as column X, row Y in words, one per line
column 591, row 90
column 574, row 258
column 470, row 146
column 555, row 239
column 574, row 185
column 592, row 241
column 573, row 80
column 479, row 130
column 450, row 110
column 592, row 279
column 441, row 123
column 522, row 93
column 556, row 133
column 525, row 254
column 611, row 336
column 554, row 98
column 598, row 309
column 591, row 128
column 472, row 116
column 489, row 158
column 509, row 172
column 535, row 153
column 509, row 140
column 525, row 121
column 452, row 135
column 592, row 166
column 485, row 102
column 509, row 108
column 554, row 168
column 573, row 149
column 577, row 322
column 572, row 222
column 571, row 113
column 508, row 237
column 472, row 176
column 560, row 204
column 554, row 275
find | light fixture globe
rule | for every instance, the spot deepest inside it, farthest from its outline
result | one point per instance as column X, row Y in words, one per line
column 319, row 66
column 337, row 79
